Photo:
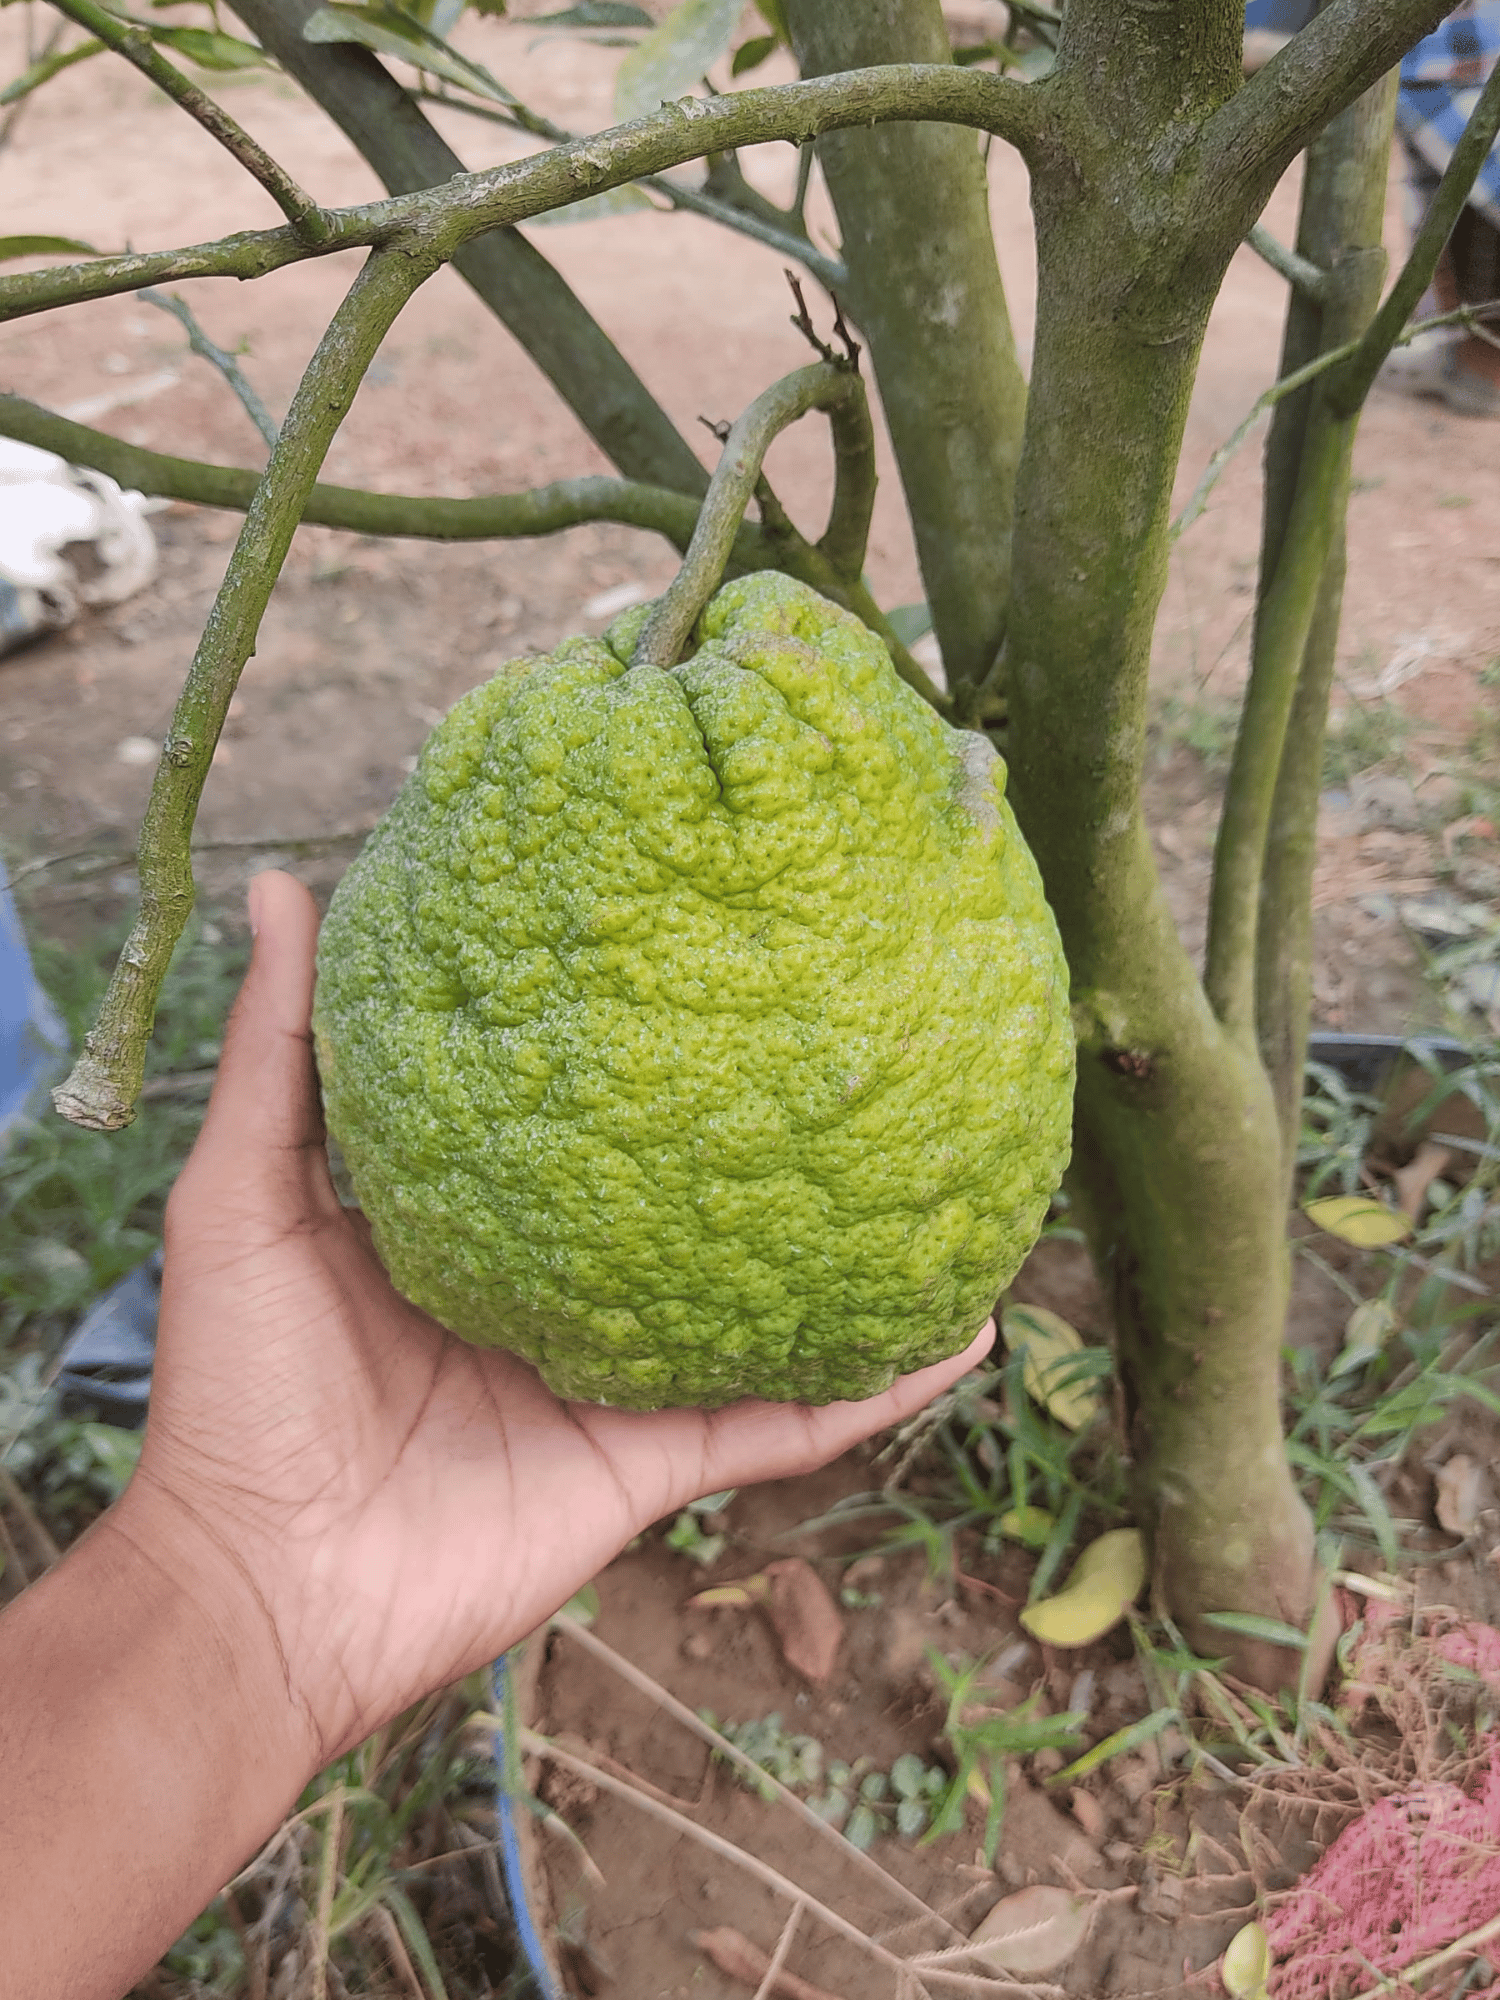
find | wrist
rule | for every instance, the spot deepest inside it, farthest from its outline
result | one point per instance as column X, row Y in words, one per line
column 137, row 1676
column 224, row 1618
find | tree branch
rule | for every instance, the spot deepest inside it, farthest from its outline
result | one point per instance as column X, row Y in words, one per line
column 1346, row 48
column 1307, row 485
column 783, row 237
column 137, row 47
column 104, row 1083
column 248, row 396
column 1347, row 390
column 924, row 286
column 448, row 218
column 250, row 253
column 823, row 386
column 1298, row 271
column 544, row 510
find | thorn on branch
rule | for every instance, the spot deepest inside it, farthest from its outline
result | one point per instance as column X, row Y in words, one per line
column 718, row 427
column 848, row 361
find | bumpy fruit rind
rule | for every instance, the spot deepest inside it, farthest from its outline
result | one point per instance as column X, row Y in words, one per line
column 704, row 1033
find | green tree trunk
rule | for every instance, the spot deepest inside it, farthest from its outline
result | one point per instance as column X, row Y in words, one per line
column 1177, row 1163
column 1339, row 230
column 925, row 289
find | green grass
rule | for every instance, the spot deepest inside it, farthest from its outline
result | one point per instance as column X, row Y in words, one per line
column 1364, row 734
column 1190, row 722
column 79, row 1209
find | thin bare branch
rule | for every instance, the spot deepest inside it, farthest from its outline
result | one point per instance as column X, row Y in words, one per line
column 767, row 1987
column 1297, row 270
column 543, row 510
column 1348, row 389
column 1194, row 506
column 854, row 1857
column 14, row 1496
column 824, row 386
column 328, row 1877
column 216, row 357
column 788, row 239
column 137, row 47
column 772, row 1878
column 1307, row 488
column 104, row 1083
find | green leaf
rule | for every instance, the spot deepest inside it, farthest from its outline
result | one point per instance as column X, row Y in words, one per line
column 417, row 1941
column 665, row 64
column 907, row 1774
column 391, row 32
column 594, row 14
column 12, row 247
column 1249, row 1625
column 978, row 52
column 1030, row 1526
column 861, row 1829
column 1357, row 1219
column 45, row 68
column 750, row 55
column 1131, row 1737
column 1376, row 1512
column 773, row 13
column 910, row 622
column 210, row 50
column 116, row 1451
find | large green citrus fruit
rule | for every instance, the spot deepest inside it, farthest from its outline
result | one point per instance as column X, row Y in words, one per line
column 703, row 1033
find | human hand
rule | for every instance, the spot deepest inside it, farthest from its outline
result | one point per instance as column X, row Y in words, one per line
column 386, row 1506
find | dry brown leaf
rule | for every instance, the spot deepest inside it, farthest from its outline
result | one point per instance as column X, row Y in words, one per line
column 1034, row 1930
column 1089, row 1813
column 734, row 1954
column 1461, row 1494
column 808, row 1623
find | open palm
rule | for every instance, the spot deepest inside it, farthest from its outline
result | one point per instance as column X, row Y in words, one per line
column 403, row 1506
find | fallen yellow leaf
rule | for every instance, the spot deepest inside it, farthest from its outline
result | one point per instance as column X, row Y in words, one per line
column 1106, row 1579
column 1358, row 1219
column 1050, row 1346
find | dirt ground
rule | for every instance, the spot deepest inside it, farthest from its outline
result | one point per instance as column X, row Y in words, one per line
column 367, row 643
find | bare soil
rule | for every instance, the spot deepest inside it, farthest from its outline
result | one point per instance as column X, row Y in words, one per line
column 368, row 642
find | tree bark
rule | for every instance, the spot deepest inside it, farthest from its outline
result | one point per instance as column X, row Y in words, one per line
column 925, row 289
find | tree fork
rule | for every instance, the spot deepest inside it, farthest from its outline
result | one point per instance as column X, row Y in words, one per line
column 925, row 288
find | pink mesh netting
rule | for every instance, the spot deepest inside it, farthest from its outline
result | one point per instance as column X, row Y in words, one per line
column 1409, row 1877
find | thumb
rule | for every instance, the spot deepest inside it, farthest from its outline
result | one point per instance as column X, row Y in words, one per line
column 264, row 1126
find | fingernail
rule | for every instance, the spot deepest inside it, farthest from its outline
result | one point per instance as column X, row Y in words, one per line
column 252, row 901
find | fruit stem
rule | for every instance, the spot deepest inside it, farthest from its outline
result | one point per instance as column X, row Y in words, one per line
column 825, row 385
